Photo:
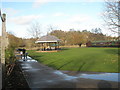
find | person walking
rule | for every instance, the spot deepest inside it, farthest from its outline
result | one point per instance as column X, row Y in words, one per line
column 21, row 54
column 24, row 52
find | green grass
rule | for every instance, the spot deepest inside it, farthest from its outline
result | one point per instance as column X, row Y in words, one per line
column 80, row 59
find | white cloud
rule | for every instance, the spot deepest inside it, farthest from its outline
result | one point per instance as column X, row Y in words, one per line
column 23, row 20
column 53, row 0
column 79, row 22
column 79, row 19
column 67, row 26
column 17, row 0
column 38, row 3
column 59, row 14
column 94, row 0
column 10, row 11
column 69, row 0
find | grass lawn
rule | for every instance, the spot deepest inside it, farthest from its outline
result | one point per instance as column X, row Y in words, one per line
column 80, row 59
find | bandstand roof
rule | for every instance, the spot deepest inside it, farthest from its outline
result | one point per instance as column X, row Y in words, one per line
column 47, row 38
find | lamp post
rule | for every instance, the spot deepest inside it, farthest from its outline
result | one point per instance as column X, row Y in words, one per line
column 3, row 38
column 119, row 20
column 4, row 43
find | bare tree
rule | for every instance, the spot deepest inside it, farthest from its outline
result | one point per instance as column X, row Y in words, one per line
column 51, row 28
column 35, row 30
column 112, row 15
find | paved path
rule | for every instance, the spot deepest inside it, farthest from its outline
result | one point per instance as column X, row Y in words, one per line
column 40, row 76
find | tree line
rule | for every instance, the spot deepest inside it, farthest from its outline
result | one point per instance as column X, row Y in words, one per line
column 73, row 37
column 70, row 37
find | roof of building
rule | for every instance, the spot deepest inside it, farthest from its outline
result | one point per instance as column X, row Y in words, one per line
column 104, row 41
column 48, row 38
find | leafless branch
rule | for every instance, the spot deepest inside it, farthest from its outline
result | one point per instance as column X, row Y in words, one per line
column 112, row 14
column 35, row 30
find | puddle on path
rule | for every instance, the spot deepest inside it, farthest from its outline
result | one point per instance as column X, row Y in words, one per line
column 28, row 60
column 100, row 76
column 65, row 76
column 104, row 76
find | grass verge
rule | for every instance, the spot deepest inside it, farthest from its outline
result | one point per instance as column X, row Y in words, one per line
column 80, row 59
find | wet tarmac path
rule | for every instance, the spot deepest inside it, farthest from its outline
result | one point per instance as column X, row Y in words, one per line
column 40, row 76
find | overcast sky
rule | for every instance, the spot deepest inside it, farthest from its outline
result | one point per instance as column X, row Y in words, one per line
column 61, row 14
